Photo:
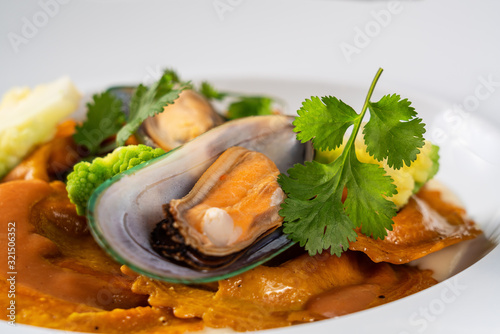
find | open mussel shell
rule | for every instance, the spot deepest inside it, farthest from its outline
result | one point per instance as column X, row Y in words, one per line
column 125, row 210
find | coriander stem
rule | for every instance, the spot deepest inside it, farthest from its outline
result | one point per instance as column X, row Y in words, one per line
column 357, row 125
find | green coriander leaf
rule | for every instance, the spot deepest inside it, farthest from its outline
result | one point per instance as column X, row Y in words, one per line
column 210, row 92
column 324, row 121
column 314, row 213
column 104, row 119
column 241, row 105
column 311, row 218
column 148, row 102
column 166, row 84
column 367, row 184
column 136, row 100
column 308, row 180
column 393, row 131
column 171, row 76
column 250, row 106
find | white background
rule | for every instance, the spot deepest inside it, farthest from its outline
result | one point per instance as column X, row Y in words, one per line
column 441, row 47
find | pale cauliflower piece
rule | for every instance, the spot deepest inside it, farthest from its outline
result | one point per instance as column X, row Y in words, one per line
column 407, row 179
column 29, row 118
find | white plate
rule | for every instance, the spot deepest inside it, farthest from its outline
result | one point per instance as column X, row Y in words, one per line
column 444, row 49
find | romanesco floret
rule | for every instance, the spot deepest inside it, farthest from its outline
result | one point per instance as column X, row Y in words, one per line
column 86, row 176
column 408, row 179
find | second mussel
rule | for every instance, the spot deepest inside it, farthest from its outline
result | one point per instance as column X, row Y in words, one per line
column 190, row 116
column 125, row 211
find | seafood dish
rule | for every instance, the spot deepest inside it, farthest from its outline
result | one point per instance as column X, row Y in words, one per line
column 176, row 207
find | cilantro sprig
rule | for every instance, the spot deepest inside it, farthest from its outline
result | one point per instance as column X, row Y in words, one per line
column 210, row 92
column 150, row 101
column 317, row 212
column 105, row 117
column 242, row 105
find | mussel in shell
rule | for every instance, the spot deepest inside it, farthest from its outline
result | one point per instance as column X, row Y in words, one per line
column 235, row 202
column 124, row 211
column 188, row 117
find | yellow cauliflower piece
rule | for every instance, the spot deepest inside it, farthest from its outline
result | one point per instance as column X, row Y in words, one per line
column 407, row 179
column 29, row 118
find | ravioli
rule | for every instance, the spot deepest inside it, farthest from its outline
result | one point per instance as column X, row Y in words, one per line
column 426, row 224
column 269, row 297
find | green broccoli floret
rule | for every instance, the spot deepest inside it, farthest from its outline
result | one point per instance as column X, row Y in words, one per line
column 86, row 177
column 434, row 157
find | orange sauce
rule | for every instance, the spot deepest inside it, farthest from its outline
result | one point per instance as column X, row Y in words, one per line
column 40, row 263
